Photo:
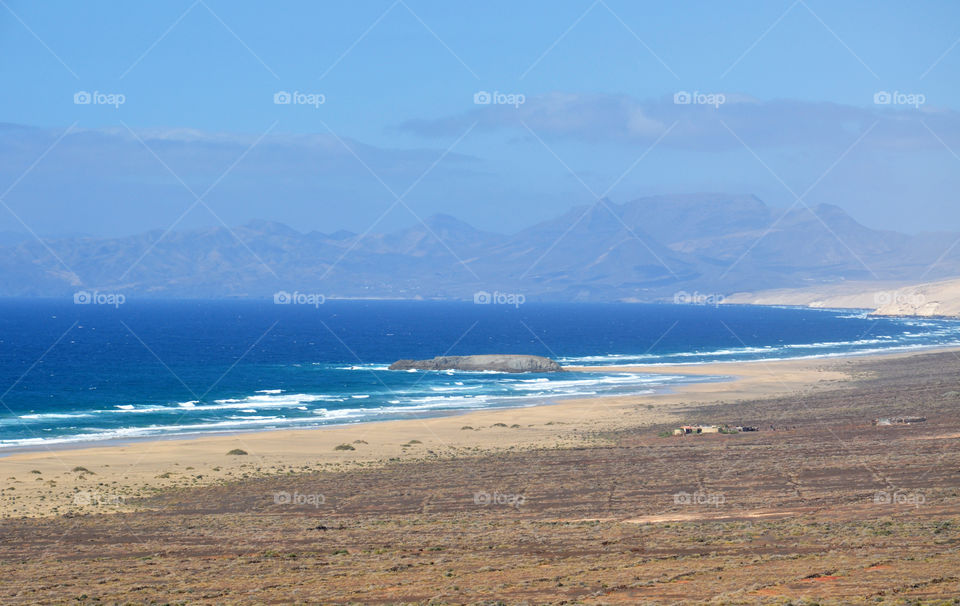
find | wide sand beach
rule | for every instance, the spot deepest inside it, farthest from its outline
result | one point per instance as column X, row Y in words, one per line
column 120, row 471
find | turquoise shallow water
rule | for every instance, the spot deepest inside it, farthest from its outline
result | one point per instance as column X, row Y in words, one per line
column 75, row 373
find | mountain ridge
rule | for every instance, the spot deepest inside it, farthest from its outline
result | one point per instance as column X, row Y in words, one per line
column 645, row 249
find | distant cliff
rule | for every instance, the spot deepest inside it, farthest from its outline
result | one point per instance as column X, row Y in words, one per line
column 933, row 299
column 496, row 363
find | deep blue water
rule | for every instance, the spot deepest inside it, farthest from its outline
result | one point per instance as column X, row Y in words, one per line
column 86, row 372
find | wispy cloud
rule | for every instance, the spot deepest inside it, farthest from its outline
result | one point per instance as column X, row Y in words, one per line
column 601, row 118
column 114, row 180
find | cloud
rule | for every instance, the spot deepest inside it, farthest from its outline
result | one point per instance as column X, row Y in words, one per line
column 700, row 121
column 112, row 180
column 197, row 153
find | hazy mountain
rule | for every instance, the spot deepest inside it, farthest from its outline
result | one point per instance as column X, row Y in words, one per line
column 645, row 249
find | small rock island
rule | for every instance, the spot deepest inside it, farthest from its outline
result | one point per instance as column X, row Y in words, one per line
column 496, row 363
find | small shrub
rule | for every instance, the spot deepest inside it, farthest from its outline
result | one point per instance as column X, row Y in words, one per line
column 466, row 428
column 79, row 469
column 344, row 447
column 237, row 451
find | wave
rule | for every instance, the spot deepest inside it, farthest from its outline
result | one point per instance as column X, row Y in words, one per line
column 367, row 367
column 99, row 433
column 460, row 387
column 835, row 354
column 55, row 415
column 946, row 336
column 243, row 404
column 602, row 360
column 351, row 398
column 505, row 393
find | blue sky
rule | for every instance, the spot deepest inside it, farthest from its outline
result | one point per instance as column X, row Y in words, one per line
column 398, row 79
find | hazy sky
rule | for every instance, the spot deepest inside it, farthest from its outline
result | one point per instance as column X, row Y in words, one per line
column 785, row 99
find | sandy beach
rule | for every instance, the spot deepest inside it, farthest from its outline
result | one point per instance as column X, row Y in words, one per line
column 51, row 482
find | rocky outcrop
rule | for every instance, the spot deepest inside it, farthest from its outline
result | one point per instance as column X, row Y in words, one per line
column 496, row 363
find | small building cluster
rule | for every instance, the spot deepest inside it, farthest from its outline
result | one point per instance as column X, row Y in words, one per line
column 685, row 429
column 898, row 420
column 698, row 429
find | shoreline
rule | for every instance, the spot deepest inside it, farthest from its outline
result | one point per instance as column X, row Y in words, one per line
column 47, row 482
column 678, row 368
column 598, row 504
column 541, row 401
column 675, row 368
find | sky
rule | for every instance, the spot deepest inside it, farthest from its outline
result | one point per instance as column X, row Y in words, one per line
column 122, row 117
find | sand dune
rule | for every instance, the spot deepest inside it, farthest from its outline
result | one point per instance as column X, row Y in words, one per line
column 932, row 299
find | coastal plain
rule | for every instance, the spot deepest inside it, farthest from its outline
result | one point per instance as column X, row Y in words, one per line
column 582, row 501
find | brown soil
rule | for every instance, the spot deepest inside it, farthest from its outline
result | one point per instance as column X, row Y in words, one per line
column 823, row 507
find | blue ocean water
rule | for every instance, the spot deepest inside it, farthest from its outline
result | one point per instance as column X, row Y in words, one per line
column 72, row 373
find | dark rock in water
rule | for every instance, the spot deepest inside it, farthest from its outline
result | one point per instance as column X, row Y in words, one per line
column 498, row 363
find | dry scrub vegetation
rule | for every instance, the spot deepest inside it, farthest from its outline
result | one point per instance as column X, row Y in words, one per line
column 826, row 508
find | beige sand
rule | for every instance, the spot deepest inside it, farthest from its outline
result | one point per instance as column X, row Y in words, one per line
column 930, row 299
column 120, row 472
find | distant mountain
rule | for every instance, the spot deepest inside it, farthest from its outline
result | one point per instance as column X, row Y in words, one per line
column 646, row 249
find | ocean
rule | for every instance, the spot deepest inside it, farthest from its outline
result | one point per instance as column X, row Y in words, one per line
column 80, row 373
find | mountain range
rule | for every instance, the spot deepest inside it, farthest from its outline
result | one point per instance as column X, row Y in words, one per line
column 643, row 250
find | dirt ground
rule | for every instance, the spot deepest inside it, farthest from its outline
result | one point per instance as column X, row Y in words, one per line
column 819, row 506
